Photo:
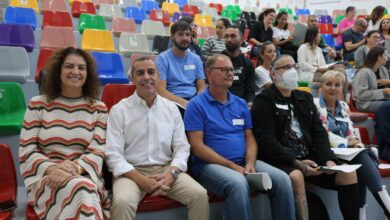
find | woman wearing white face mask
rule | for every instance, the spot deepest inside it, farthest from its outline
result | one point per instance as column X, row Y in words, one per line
column 291, row 137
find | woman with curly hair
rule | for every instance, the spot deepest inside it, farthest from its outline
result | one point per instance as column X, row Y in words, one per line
column 375, row 18
column 62, row 141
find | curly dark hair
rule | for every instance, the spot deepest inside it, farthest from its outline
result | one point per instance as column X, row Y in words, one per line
column 52, row 87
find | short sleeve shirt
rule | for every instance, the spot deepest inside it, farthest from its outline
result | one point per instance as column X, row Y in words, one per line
column 223, row 125
column 351, row 36
column 180, row 73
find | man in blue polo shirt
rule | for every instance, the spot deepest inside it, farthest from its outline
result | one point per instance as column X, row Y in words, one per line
column 181, row 71
column 219, row 129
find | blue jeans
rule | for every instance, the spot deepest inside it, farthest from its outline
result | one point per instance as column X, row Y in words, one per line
column 368, row 176
column 234, row 188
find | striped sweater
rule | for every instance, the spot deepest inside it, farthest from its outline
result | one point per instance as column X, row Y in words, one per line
column 63, row 129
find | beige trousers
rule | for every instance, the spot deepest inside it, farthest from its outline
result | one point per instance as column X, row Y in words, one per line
column 127, row 194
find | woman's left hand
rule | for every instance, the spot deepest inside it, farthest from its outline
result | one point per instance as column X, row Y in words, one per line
column 57, row 177
column 383, row 82
column 69, row 166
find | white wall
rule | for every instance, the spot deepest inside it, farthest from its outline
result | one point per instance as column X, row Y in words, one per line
column 343, row 4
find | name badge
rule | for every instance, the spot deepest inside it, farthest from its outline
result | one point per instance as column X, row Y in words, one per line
column 280, row 106
column 236, row 78
column 189, row 67
column 341, row 119
column 238, row 122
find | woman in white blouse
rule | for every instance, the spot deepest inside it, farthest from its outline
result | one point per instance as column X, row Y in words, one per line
column 282, row 37
column 265, row 57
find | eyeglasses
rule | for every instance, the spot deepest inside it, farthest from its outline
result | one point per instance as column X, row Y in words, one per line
column 287, row 66
column 224, row 70
column 313, row 20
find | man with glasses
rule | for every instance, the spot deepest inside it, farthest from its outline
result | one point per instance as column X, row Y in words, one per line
column 244, row 73
column 353, row 38
column 219, row 129
column 328, row 51
column 291, row 137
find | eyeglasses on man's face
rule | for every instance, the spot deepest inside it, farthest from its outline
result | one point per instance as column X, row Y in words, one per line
column 288, row 66
column 224, row 70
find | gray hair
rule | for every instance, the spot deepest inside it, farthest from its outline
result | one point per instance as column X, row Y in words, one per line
column 211, row 60
column 332, row 74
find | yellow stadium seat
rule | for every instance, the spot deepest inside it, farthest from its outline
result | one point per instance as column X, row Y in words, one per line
column 25, row 4
column 97, row 40
column 386, row 17
column 170, row 7
column 203, row 20
column 305, row 89
column 71, row 1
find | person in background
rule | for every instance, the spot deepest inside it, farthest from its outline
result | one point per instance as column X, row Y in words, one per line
column 384, row 31
column 219, row 129
column 244, row 73
column 181, row 71
column 147, row 150
column 353, row 38
column 216, row 44
column 375, row 17
column 346, row 23
column 266, row 56
column 372, row 40
column 291, row 137
column 334, row 115
column 282, row 37
column 62, row 142
column 328, row 51
column 262, row 30
column 371, row 85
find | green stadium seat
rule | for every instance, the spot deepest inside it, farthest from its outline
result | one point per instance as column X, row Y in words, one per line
column 12, row 108
column 88, row 21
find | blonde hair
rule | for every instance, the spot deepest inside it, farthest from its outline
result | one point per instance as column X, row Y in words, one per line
column 332, row 74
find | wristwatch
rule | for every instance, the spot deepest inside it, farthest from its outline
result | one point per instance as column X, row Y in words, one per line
column 174, row 173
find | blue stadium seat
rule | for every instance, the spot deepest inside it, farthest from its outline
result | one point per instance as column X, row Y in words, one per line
column 110, row 68
column 149, row 5
column 16, row 15
column 138, row 14
column 328, row 38
column 181, row 3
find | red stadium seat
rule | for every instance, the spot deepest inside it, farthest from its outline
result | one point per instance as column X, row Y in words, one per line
column 113, row 93
column 353, row 108
column 82, row 7
column 384, row 172
column 160, row 15
column 219, row 7
column 57, row 19
column 152, row 204
column 8, row 184
column 326, row 28
column 364, row 137
column 191, row 9
column 44, row 55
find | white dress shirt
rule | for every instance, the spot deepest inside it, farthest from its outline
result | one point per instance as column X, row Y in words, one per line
column 138, row 135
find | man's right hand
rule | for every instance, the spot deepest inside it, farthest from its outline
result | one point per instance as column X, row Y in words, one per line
column 148, row 184
column 237, row 168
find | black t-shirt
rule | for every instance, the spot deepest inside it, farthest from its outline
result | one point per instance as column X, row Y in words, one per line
column 260, row 34
column 351, row 36
column 244, row 77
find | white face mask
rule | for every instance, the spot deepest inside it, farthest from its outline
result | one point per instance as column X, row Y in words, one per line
column 289, row 80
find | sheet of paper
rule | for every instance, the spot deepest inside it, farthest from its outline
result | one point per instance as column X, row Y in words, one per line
column 347, row 153
column 384, row 166
column 342, row 168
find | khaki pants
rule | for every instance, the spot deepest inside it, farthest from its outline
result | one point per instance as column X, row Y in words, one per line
column 127, row 194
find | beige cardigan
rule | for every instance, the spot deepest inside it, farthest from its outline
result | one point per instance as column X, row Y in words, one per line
column 307, row 62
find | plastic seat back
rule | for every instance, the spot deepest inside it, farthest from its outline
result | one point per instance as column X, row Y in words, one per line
column 325, row 19
column 178, row 15
column 8, row 183
column 203, row 20
column 191, row 9
column 88, row 21
column 213, row 12
column 138, row 14
column 97, row 40
column 219, row 7
column 98, row 3
column 72, row 1
column 82, row 7
column 170, row 7
column 58, row 37
column 362, row 134
column 12, row 109
column 302, row 11
column 109, row 11
column 119, row 25
column 325, row 28
column 226, row 13
column 152, row 28
column 57, row 19
column 130, row 43
column 17, row 35
column 44, row 54
column 328, row 38
column 180, row 3
column 53, row 5
column 127, row 3
column 160, row 15
column 16, row 15
column 110, row 68
column 14, row 64
column 205, row 32
column 113, row 93
column 25, row 4
column 149, row 5
column 319, row 12
column 160, row 44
